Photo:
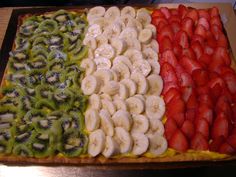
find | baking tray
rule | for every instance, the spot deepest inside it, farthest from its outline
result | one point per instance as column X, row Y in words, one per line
column 144, row 163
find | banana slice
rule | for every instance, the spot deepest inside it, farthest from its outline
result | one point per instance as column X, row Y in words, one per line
column 155, row 83
column 105, row 50
column 97, row 11
column 111, row 88
column 133, row 43
column 131, row 85
column 96, row 142
column 134, row 23
column 95, row 101
column 123, row 59
column 122, row 69
column 145, row 36
column 141, row 97
column 116, row 75
column 92, row 119
column 128, row 11
column 141, row 82
column 90, row 53
column 140, row 123
column 111, row 147
column 155, row 107
column 153, row 29
column 106, row 96
column 143, row 17
column 88, row 65
column 90, row 85
column 155, row 66
column 106, row 122
column 153, row 45
column 102, row 63
column 112, row 13
column 140, row 143
column 120, row 22
column 123, row 119
column 108, row 105
column 101, row 39
column 103, row 75
column 120, row 104
column 125, row 19
column 142, row 66
column 94, row 30
column 156, row 126
column 133, row 55
column 123, row 91
column 149, row 53
column 135, row 105
column 90, row 42
column 124, row 140
column 157, row 144
column 112, row 31
column 119, row 45
column 101, row 21
column 129, row 33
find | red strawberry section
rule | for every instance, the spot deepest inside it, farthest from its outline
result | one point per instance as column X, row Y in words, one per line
column 199, row 85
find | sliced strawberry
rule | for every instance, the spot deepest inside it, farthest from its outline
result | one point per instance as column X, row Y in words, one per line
column 166, row 31
column 231, row 140
column 204, row 14
column 188, row 128
column 168, row 56
column 156, row 21
column 175, row 26
column 223, row 105
column 208, row 50
column 187, row 26
column 214, row 11
column 197, row 48
column 226, row 69
column 202, row 126
column 216, row 81
column 225, row 148
column 211, row 41
column 157, row 13
column 199, row 142
column 189, row 53
column 216, row 143
column 216, row 21
column 171, row 94
column 190, row 114
column 193, row 14
column 177, row 50
column 178, row 117
column 182, row 10
column 178, row 141
column 205, row 59
column 175, row 106
column 216, row 91
column 192, row 101
column 166, row 12
column 204, row 22
column 201, row 31
column 205, row 112
column 202, row 90
column 198, row 38
column 168, row 86
column 216, row 31
column 170, row 128
column 230, row 80
column 190, row 64
column 174, row 12
column 205, row 99
column 220, row 126
column 174, row 18
column 182, row 39
column 200, row 77
column 165, row 44
column 168, row 73
column 222, row 41
column 184, row 79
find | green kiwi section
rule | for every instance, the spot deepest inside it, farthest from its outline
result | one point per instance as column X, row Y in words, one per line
column 41, row 103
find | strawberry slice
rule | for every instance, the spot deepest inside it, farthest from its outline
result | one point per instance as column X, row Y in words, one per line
column 214, row 11
column 216, row 31
column 174, row 12
column 168, row 56
column 222, row 54
column 165, row 44
column 205, row 112
column 182, row 39
column 177, row 50
column 190, row 64
column 205, row 59
column 230, row 80
column 202, row 90
column 188, row 53
column 170, row 128
column 166, row 31
column 193, row 14
column 204, row 22
column 206, row 100
column 204, row 14
column 157, row 20
column 208, row 50
column 175, row 106
column 178, row 141
column 157, row 13
column 225, row 148
column 166, row 12
column 178, row 117
column 216, row 21
column 167, row 73
column 186, row 93
column 168, row 86
column 174, row 18
column 202, row 126
column 175, row 26
column 187, row 26
column 182, row 10
column 223, row 105
column 197, row 48
column 184, row 79
column 222, row 41
column 172, row 93
column 188, row 128
column 199, row 142
column 216, row 143
column 190, row 114
column 192, row 101
column 201, row 31
column 220, row 126
column 198, row 38
column 200, row 77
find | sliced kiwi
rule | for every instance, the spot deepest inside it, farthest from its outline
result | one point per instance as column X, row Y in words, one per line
column 35, row 77
column 23, row 138
column 44, row 91
column 6, row 101
column 30, row 91
column 15, row 66
column 55, row 115
column 33, row 115
column 39, row 51
column 47, row 27
column 75, row 46
column 40, row 41
column 78, row 54
column 57, row 55
column 38, row 63
column 12, row 91
column 45, row 103
column 62, row 16
column 56, row 65
column 80, row 102
column 22, row 150
column 63, row 98
column 26, row 103
column 28, row 28
column 19, row 55
column 48, row 125
column 77, row 120
column 17, row 78
column 6, row 142
column 8, row 114
column 54, row 78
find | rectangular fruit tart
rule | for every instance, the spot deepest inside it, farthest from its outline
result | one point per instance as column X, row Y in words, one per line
column 119, row 85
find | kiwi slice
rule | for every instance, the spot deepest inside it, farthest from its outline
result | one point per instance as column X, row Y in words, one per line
column 77, row 120
column 80, row 101
column 15, row 66
column 45, row 103
column 40, row 41
column 63, row 98
column 39, row 51
column 44, row 91
column 56, row 65
column 48, row 126
column 12, row 91
column 47, row 27
column 79, row 53
column 19, row 55
column 17, row 78
column 6, row 101
column 37, row 63
column 6, row 141
column 23, row 138
column 35, row 77
column 54, row 78
column 33, row 115
column 22, row 150
column 57, row 55
column 42, row 144
column 7, row 114
column 62, row 16
column 26, row 103
column 75, row 46
column 55, row 115
column 28, row 28
column 30, row 91
column 73, row 143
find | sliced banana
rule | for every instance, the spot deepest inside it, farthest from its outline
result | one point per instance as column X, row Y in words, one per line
column 141, row 82
column 131, row 85
column 105, row 50
column 90, row 85
column 135, row 105
column 92, row 119
column 149, row 53
column 153, row 44
column 155, row 107
column 141, row 97
column 108, row 105
column 123, row 59
column 133, row 44
column 124, row 140
column 122, row 69
column 125, row 19
column 101, row 39
column 103, row 75
column 116, row 75
column 134, row 23
column 133, row 55
column 106, row 122
column 95, row 101
column 88, row 65
column 145, row 36
column 97, row 11
column 106, row 96
column 157, row 144
column 94, row 30
column 123, row 119
column 128, row 11
column 101, row 21
column 123, row 91
column 142, row 66
column 90, row 42
column 140, row 123
column 152, row 28
column 112, row 31
column 155, row 83
column 111, row 147
column 143, row 17
column 111, row 88
column 102, row 63
column 90, row 53
column 156, row 126
column 119, row 45
column 120, row 104
column 129, row 33
column 156, row 68
column 140, row 143
column 96, row 142
column 112, row 13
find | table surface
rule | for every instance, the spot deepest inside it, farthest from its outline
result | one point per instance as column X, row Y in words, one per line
column 70, row 171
